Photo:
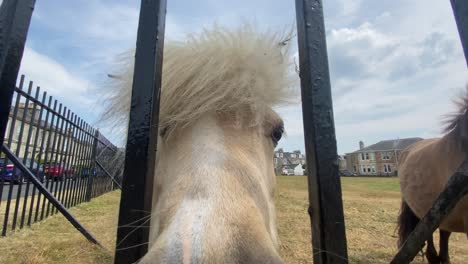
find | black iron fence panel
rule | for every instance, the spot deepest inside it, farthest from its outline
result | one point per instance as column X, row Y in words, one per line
column 72, row 159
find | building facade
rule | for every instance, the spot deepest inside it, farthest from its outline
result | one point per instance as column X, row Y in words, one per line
column 378, row 159
column 286, row 163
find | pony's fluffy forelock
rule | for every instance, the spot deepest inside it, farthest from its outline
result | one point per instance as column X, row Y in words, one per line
column 217, row 70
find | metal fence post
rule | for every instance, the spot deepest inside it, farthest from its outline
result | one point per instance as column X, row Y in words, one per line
column 137, row 185
column 325, row 202
column 15, row 17
column 89, row 186
column 460, row 11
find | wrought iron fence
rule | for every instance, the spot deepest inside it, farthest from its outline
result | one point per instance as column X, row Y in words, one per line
column 63, row 137
column 72, row 160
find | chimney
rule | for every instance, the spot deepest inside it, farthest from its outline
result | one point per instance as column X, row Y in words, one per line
column 361, row 145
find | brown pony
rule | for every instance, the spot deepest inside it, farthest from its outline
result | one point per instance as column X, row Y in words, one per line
column 424, row 170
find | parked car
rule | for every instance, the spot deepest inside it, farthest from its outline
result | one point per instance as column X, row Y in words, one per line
column 84, row 171
column 57, row 170
column 347, row 173
column 8, row 172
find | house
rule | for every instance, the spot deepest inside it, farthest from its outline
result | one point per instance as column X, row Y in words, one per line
column 378, row 159
column 286, row 163
column 292, row 169
column 299, row 170
column 342, row 165
column 28, row 126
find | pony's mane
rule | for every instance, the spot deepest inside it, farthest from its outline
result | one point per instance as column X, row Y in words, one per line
column 217, row 70
column 451, row 120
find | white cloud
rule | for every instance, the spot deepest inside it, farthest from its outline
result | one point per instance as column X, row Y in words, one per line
column 395, row 65
column 54, row 78
column 389, row 83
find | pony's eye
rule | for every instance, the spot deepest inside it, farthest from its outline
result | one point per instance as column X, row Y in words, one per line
column 276, row 134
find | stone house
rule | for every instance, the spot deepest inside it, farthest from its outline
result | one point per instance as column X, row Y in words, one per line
column 378, row 159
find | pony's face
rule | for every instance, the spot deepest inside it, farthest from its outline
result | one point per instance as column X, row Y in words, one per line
column 214, row 181
column 214, row 191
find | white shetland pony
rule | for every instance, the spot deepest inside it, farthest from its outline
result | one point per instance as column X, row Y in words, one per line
column 214, row 190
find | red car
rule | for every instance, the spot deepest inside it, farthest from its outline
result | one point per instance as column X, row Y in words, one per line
column 57, row 171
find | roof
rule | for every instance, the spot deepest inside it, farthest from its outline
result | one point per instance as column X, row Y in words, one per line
column 290, row 166
column 394, row 144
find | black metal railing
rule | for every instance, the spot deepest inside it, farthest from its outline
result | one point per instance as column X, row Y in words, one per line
column 72, row 160
column 60, row 136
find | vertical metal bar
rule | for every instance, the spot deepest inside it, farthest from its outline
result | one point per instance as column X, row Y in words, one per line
column 87, row 149
column 43, row 149
column 18, row 149
column 87, row 162
column 36, row 139
column 89, row 180
column 73, row 154
column 137, row 186
column 10, row 141
column 83, row 148
column 15, row 17
column 60, row 150
column 80, row 138
column 46, row 159
column 460, row 10
column 59, row 155
column 325, row 201
column 11, row 135
column 55, row 148
column 32, row 124
column 89, row 187
column 64, row 159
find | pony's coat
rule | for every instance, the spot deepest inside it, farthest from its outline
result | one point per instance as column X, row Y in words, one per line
column 214, row 193
column 424, row 170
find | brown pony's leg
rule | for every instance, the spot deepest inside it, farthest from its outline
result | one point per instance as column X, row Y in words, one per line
column 443, row 244
column 431, row 252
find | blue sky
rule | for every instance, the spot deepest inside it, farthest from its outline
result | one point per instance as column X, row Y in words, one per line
column 395, row 65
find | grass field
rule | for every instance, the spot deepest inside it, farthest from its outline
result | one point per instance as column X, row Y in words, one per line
column 371, row 207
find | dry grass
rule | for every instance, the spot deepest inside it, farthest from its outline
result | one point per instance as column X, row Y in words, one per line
column 54, row 240
column 371, row 207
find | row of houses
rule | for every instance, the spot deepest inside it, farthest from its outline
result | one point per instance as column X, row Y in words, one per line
column 28, row 123
column 379, row 159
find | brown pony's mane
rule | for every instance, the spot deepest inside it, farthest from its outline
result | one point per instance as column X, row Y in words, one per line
column 452, row 120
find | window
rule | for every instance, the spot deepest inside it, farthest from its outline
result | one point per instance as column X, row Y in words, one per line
column 386, row 155
column 293, row 155
column 387, row 168
column 367, row 156
column 362, row 156
column 373, row 168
